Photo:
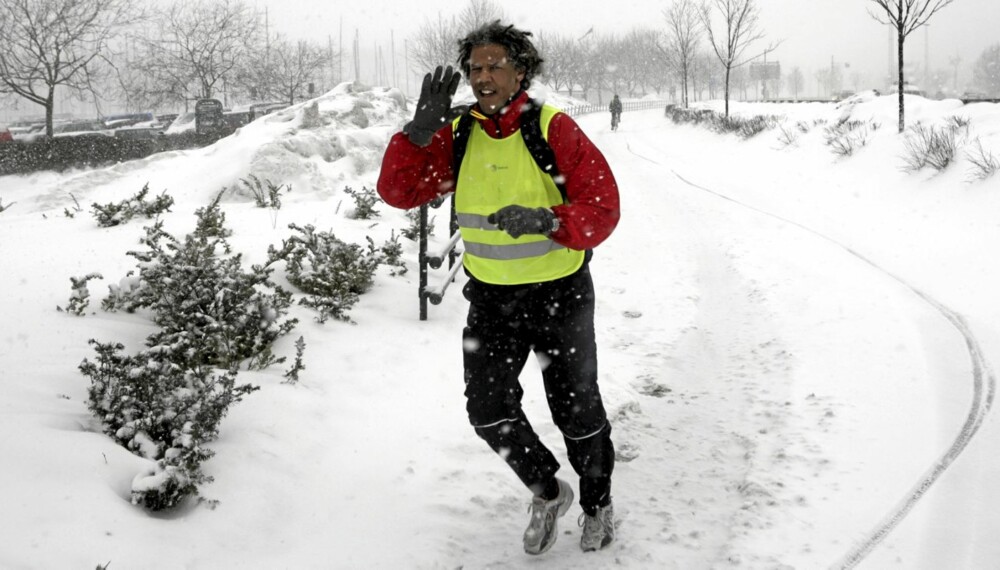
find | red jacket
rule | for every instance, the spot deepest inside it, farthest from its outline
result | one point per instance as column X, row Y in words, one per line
column 412, row 175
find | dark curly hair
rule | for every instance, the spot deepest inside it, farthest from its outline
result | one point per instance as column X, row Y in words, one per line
column 520, row 51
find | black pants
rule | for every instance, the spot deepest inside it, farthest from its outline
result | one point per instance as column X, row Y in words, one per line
column 555, row 320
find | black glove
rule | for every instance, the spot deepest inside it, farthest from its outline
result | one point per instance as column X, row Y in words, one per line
column 434, row 106
column 518, row 220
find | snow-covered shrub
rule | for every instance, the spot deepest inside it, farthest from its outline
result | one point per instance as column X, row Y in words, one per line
column 165, row 403
column 266, row 194
column 211, row 221
column 984, row 164
column 412, row 231
column 681, row 115
column 114, row 214
column 79, row 299
column 163, row 410
column 787, row 137
column 292, row 374
column 959, row 121
column 745, row 127
column 333, row 273
column 76, row 208
column 223, row 313
column 935, row 147
column 846, row 137
column 4, row 208
column 753, row 126
column 364, row 203
column 392, row 255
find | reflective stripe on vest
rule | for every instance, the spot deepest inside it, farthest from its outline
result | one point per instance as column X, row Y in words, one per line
column 496, row 173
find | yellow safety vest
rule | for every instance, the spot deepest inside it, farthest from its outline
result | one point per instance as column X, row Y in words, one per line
column 497, row 173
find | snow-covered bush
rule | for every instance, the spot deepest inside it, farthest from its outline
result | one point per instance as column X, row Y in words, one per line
column 412, row 231
column 162, row 410
column 745, row 127
column 223, row 313
column 846, row 137
column 114, row 214
column 788, row 137
column 79, row 299
column 935, row 147
column 266, row 194
column 392, row 254
column 292, row 374
column 76, row 208
column 984, row 164
column 364, row 203
column 4, row 208
column 165, row 403
column 681, row 115
column 333, row 273
column 212, row 222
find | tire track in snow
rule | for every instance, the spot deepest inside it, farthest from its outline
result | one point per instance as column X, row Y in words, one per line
column 983, row 379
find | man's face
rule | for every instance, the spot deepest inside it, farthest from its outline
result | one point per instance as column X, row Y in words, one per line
column 493, row 78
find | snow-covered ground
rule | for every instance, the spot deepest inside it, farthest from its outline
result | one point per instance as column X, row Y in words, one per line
column 795, row 349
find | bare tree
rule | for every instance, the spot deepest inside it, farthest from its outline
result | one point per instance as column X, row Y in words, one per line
column 292, row 67
column 282, row 70
column 986, row 71
column 703, row 75
column 905, row 16
column 601, row 67
column 477, row 13
column 683, row 37
column 436, row 43
column 740, row 19
column 199, row 46
column 796, row 81
column 58, row 43
column 633, row 61
column 830, row 80
column 954, row 62
column 562, row 58
column 651, row 64
column 739, row 79
column 590, row 72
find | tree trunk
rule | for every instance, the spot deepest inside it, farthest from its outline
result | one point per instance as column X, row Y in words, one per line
column 899, row 44
column 50, row 103
column 726, row 91
column 684, row 84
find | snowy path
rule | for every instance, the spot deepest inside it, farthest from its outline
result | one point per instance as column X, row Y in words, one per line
column 980, row 378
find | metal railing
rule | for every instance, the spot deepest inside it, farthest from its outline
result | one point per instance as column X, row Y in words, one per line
column 435, row 293
column 577, row 110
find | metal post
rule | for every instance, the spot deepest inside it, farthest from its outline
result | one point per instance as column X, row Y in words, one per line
column 453, row 227
column 422, row 291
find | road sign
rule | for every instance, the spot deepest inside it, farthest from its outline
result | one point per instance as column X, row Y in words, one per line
column 208, row 116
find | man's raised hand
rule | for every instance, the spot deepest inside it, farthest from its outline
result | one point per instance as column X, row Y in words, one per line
column 434, row 106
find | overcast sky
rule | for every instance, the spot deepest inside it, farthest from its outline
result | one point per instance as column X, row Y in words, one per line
column 813, row 31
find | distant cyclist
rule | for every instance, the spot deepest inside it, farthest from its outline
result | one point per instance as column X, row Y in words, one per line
column 616, row 112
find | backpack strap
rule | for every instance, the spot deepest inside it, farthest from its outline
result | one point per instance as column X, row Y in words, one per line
column 461, row 130
column 538, row 146
column 534, row 140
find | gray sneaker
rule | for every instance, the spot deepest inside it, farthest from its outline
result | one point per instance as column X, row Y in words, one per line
column 541, row 533
column 598, row 530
